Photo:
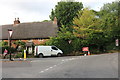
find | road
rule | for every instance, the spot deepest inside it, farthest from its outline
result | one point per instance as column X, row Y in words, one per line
column 93, row 66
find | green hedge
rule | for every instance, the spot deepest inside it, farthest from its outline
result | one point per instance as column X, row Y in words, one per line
column 10, row 49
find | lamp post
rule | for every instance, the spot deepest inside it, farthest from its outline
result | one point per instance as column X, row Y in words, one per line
column 9, row 38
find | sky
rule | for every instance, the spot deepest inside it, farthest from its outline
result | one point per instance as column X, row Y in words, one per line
column 36, row 10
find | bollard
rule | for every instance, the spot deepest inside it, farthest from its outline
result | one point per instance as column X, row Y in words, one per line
column 24, row 54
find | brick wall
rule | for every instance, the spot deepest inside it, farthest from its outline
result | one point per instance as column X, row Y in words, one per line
column 35, row 41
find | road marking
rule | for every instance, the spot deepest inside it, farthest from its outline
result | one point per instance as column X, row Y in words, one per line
column 41, row 71
column 63, row 61
column 46, row 69
column 51, row 67
column 69, row 59
column 54, row 65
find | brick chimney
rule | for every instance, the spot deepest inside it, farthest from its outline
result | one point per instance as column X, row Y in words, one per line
column 55, row 20
column 16, row 21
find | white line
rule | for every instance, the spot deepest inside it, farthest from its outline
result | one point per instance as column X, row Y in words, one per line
column 54, row 65
column 51, row 67
column 63, row 61
column 41, row 71
column 46, row 69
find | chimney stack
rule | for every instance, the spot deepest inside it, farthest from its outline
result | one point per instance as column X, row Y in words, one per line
column 16, row 21
column 55, row 20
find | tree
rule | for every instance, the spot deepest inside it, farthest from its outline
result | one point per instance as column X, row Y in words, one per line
column 109, row 18
column 85, row 23
column 87, row 27
column 65, row 11
column 111, row 8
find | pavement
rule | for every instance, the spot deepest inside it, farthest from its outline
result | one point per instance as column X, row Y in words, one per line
column 15, row 60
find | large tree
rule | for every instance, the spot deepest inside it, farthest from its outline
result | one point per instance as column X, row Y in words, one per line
column 87, row 27
column 65, row 11
column 85, row 23
column 109, row 18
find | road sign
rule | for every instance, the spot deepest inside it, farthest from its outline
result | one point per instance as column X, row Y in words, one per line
column 117, row 42
column 85, row 49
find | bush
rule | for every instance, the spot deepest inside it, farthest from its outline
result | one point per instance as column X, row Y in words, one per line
column 3, row 43
column 10, row 49
column 19, row 55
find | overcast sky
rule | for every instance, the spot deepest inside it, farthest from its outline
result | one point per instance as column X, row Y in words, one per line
column 36, row 10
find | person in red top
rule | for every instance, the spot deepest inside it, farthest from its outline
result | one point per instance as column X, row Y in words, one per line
column 5, row 53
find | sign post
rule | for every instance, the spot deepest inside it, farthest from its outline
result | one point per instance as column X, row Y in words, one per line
column 9, row 38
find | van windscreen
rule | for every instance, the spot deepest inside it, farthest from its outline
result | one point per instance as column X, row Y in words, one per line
column 54, row 48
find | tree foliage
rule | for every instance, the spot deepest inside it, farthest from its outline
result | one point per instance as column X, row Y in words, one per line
column 87, row 27
column 65, row 11
column 109, row 21
column 85, row 23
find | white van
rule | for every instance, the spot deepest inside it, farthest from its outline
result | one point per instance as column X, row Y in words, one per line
column 41, row 51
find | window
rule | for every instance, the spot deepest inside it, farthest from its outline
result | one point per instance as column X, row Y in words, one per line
column 54, row 48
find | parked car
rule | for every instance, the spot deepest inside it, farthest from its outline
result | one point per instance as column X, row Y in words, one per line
column 42, row 51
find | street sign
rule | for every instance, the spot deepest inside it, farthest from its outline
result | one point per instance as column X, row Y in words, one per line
column 117, row 42
column 10, row 32
column 85, row 49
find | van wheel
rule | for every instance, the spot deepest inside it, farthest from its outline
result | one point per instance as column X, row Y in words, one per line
column 40, row 55
column 59, row 54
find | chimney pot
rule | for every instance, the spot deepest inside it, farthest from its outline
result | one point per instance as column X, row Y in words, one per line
column 16, row 21
column 17, row 18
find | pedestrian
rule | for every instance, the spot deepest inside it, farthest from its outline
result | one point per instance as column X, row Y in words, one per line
column 5, row 53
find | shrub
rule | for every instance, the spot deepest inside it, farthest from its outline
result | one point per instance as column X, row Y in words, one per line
column 19, row 55
column 10, row 49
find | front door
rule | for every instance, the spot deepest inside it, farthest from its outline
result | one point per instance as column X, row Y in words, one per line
column 30, row 50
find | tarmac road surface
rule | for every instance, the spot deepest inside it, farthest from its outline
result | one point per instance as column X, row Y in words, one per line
column 93, row 66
